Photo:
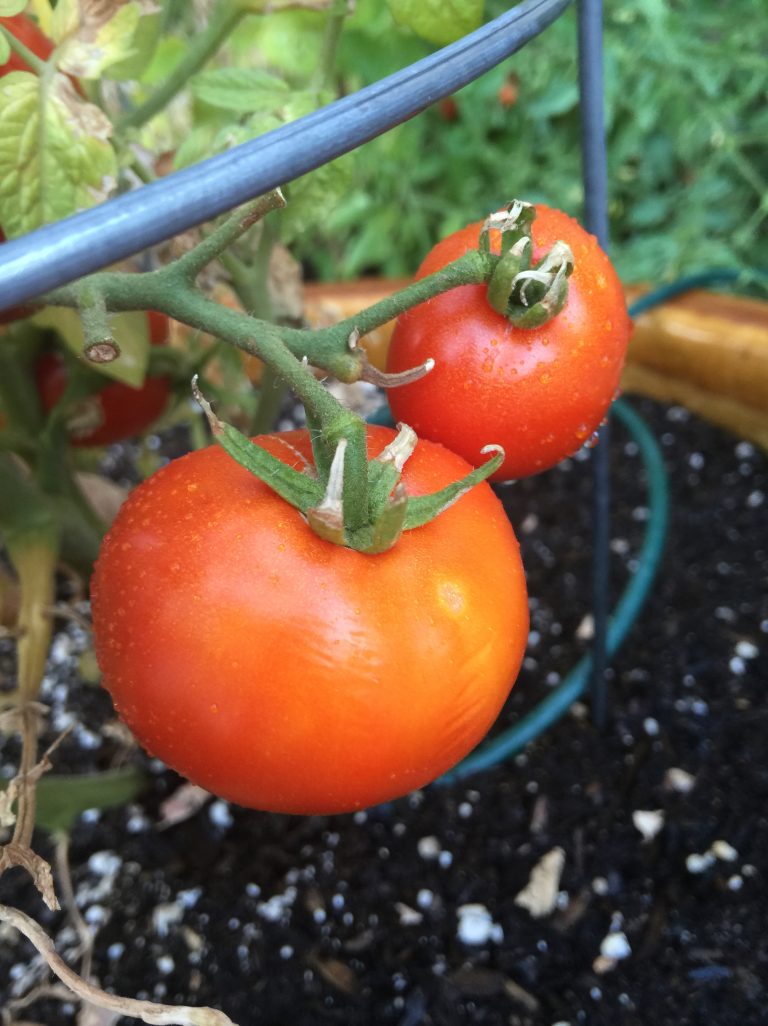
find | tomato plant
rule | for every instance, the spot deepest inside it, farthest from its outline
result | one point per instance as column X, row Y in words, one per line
column 223, row 667
column 118, row 411
column 538, row 392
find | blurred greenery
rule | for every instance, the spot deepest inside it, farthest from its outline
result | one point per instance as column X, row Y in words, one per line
column 687, row 123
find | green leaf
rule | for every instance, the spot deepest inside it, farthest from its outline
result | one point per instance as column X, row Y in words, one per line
column 5, row 49
column 10, row 7
column 244, row 90
column 55, row 154
column 289, row 41
column 62, row 798
column 438, row 21
column 319, row 190
column 129, row 330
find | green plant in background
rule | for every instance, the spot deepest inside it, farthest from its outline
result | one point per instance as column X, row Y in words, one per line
column 686, row 120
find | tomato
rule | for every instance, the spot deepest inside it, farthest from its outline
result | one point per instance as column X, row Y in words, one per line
column 28, row 33
column 289, row 674
column 538, row 392
column 118, row 411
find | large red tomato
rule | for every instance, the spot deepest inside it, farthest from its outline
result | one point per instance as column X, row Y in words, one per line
column 118, row 411
column 289, row 674
column 538, row 392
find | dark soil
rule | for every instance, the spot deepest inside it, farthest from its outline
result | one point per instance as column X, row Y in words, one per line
column 355, row 919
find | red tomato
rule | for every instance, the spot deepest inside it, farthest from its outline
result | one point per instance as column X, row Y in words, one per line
column 28, row 33
column 538, row 392
column 289, row 674
column 118, row 411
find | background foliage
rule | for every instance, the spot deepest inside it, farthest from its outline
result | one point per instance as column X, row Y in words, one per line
column 687, row 122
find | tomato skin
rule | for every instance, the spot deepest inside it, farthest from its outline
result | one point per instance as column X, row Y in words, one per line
column 541, row 392
column 118, row 410
column 28, row 33
column 292, row 675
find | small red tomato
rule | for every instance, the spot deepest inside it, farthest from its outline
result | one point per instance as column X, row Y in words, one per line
column 538, row 392
column 27, row 32
column 290, row 674
column 118, row 411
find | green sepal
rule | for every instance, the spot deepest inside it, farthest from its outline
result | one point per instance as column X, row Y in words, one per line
column 385, row 471
column 390, row 524
column 512, row 262
column 424, row 508
column 297, row 488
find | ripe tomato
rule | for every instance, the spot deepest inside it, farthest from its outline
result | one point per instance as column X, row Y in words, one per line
column 118, row 411
column 289, row 674
column 538, row 392
column 28, row 33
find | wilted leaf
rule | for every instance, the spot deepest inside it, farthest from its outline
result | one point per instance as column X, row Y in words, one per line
column 104, row 496
column 55, row 154
column 438, row 21
column 539, row 895
column 98, row 44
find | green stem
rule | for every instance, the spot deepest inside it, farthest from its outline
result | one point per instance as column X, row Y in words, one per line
column 221, row 238
column 31, row 536
column 251, row 285
column 223, row 20
column 31, row 59
column 473, row 268
column 271, row 395
column 170, row 292
column 334, row 24
column 98, row 344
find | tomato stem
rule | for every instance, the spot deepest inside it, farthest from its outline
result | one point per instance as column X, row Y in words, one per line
column 226, row 233
column 98, row 344
column 33, row 62
column 527, row 295
column 371, row 518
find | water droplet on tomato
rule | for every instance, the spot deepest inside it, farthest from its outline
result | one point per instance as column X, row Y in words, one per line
column 214, row 709
column 545, row 378
column 593, row 439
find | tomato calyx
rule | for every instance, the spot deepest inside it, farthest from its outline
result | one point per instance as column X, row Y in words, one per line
column 320, row 493
column 528, row 294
